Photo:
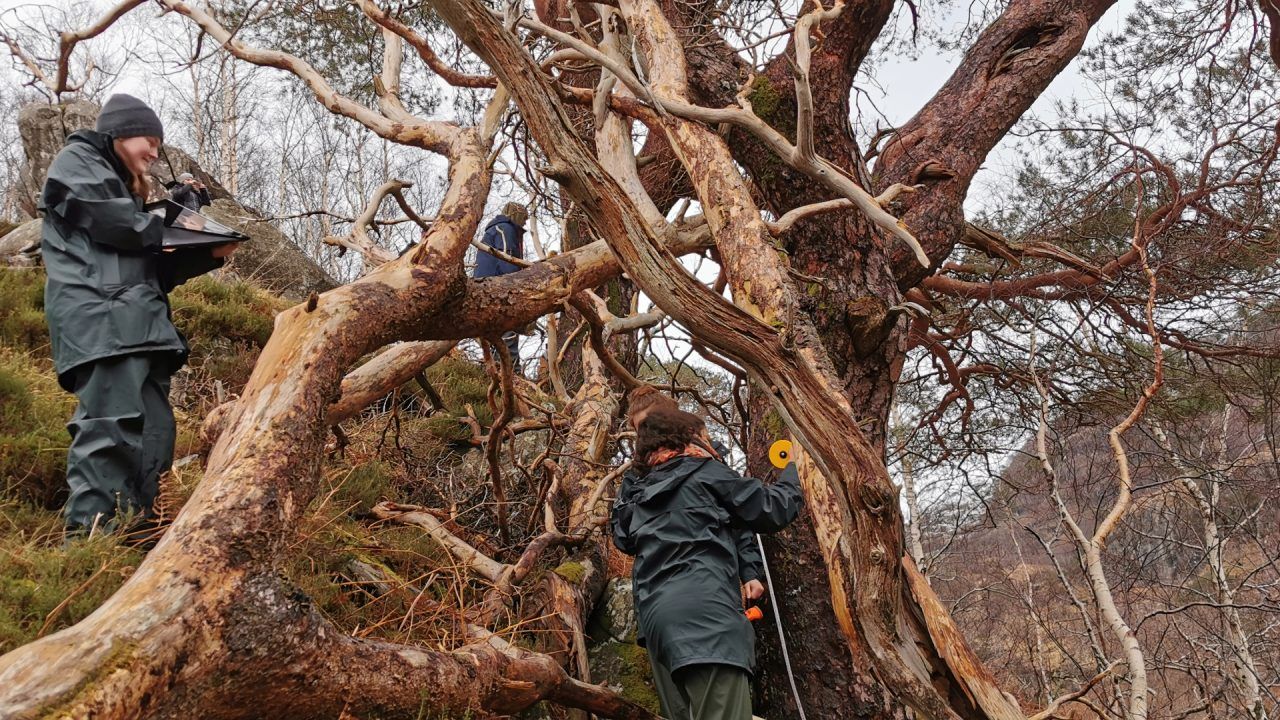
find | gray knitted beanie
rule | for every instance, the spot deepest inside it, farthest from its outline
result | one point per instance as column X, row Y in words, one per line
column 125, row 116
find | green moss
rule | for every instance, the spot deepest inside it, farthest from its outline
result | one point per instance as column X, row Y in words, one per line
column 37, row 574
column 233, row 311
column 626, row 666
column 365, row 486
column 572, row 571
column 764, row 98
column 22, row 325
column 774, row 427
column 331, row 538
column 228, row 323
column 460, row 382
column 446, row 426
column 33, row 436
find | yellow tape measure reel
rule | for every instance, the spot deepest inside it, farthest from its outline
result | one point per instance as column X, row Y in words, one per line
column 780, row 454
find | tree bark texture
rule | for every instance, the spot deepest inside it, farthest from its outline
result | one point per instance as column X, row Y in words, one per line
column 857, row 506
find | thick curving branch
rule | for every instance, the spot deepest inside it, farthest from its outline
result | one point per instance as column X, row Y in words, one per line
column 431, row 135
column 945, row 143
column 423, row 48
column 815, row 167
column 67, row 42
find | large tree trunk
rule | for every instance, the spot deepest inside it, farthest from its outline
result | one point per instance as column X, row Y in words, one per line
column 847, row 485
column 940, row 148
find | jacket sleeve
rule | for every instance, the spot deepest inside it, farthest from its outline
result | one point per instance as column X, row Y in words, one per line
column 761, row 508
column 750, row 564
column 515, row 243
column 179, row 193
column 86, row 193
column 620, row 519
column 205, row 199
column 183, row 264
column 492, row 237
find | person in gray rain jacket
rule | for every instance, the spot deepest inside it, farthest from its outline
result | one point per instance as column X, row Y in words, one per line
column 190, row 193
column 683, row 515
column 106, row 301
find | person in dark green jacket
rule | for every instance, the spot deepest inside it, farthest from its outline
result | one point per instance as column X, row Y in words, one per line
column 683, row 515
column 106, row 301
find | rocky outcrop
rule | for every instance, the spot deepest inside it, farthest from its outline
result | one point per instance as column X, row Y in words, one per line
column 268, row 259
column 20, row 246
column 43, row 128
column 616, row 660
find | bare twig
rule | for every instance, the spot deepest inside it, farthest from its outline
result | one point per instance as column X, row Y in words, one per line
column 359, row 240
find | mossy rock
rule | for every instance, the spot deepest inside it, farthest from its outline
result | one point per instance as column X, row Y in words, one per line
column 227, row 323
column 235, row 310
column 33, row 438
column 625, row 668
column 614, row 617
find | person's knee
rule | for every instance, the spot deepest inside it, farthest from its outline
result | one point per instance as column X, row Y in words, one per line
column 716, row 691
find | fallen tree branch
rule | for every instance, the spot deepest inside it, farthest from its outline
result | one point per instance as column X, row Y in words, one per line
column 467, row 555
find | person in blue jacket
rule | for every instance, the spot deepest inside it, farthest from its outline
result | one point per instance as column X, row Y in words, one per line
column 505, row 233
column 107, row 305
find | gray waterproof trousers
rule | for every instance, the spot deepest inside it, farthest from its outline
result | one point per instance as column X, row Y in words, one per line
column 122, row 436
column 702, row 692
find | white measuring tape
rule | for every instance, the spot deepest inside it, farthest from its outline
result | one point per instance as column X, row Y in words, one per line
column 782, row 636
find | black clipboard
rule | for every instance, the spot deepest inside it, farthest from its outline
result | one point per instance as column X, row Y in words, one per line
column 185, row 228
